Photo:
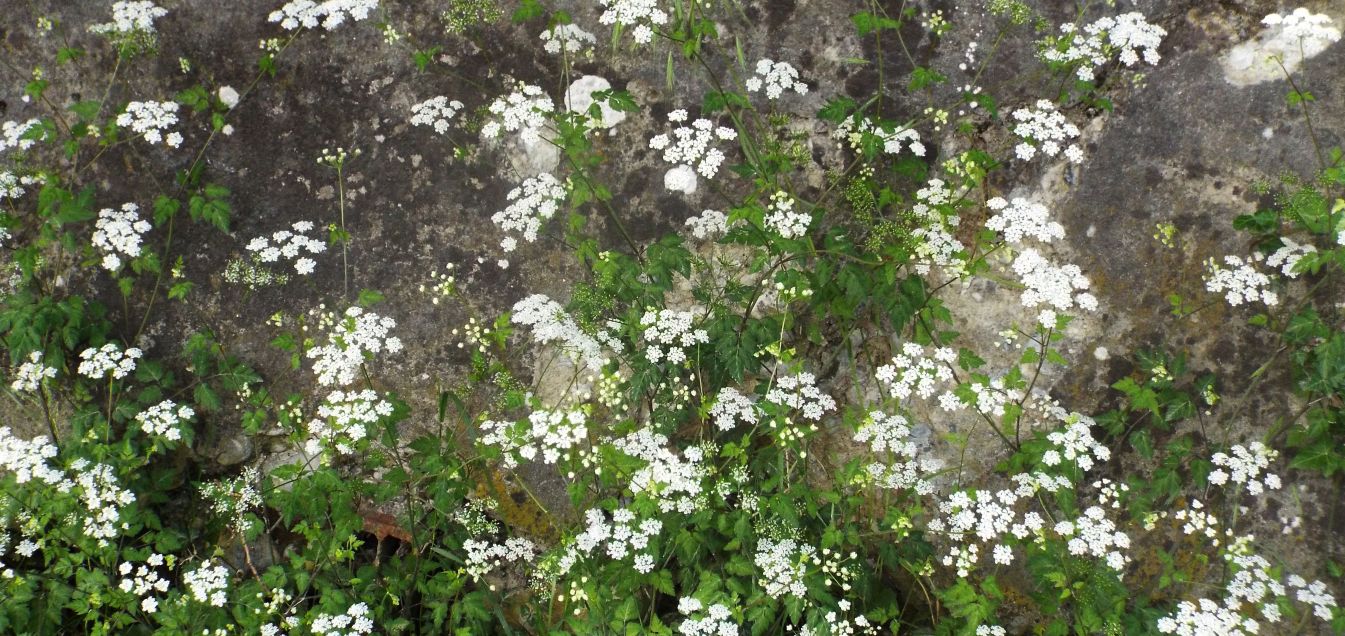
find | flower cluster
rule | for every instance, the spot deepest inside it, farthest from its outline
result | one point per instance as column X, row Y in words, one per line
column 1075, row 443
column 344, row 419
column 1287, row 256
column 892, row 137
column 289, row 244
column 485, row 556
column 1060, row 287
column 1095, row 535
column 641, row 13
column 1021, row 218
column 1128, row 36
column 19, row 134
column 710, row 225
column 690, row 146
column 354, row 622
column 783, row 564
column 109, row 358
column 675, row 482
column 717, row 621
column 550, row 323
column 208, row 584
column 435, row 112
column 783, row 220
column 143, row 581
column 12, row 187
column 357, row 335
column 1304, row 25
column 548, row 433
column 330, row 14
column 1245, row 466
column 621, row 537
column 531, row 203
column 27, row 460
column 1047, row 130
column 777, row 78
column 525, row 110
column 799, row 392
column 118, row 233
column 152, row 119
column 732, row 407
column 914, row 372
column 131, row 16
column 103, row 498
column 1207, row 618
column 891, row 434
column 164, row 419
column 937, row 245
column 567, row 38
column 668, row 333
column 1240, row 281
column 30, row 374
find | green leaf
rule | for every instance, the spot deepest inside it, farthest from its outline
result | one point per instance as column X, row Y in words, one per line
column 528, row 10
column 206, row 398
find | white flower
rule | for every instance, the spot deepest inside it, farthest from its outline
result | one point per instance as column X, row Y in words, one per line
column 1022, row 219
column 783, row 564
column 109, row 358
column 1128, row 36
column 1245, row 466
column 151, row 120
column 783, row 220
column 20, row 135
column 567, row 38
column 711, row 224
column 1061, row 287
column 1304, row 25
column 550, row 324
column 892, row 137
column 131, row 16
column 118, row 233
column 164, row 419
column 208, row 584
column 435, row 112
column 330, row 14
column 1239, row 282
column 356, row 336
column 640, row 14
column 1288, row 255
column 732, row 407
column 524, row 111
column 532, row 203
column 668, row 333
column 344, row 420
column 800, row 392
column 777, row 77
column 690, row 146
column 1047, row 130
column 31, row 374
